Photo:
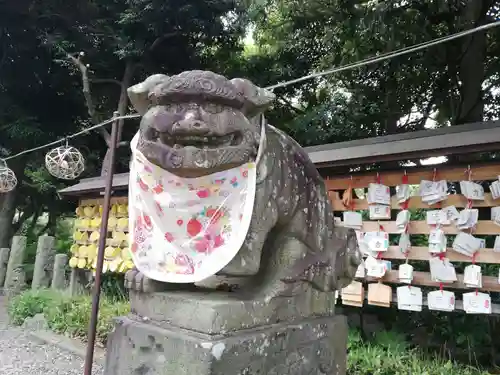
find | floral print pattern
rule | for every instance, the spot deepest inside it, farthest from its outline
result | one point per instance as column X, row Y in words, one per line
column 184, row 230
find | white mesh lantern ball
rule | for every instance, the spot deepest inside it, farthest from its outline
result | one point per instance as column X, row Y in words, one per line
column 8, row 180
column 65, row 162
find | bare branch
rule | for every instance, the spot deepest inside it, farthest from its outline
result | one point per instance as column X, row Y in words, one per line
column 122, row 108
column 105, row 80
column 162, row 38
column 123, row 101
column 289, row 105
column 77, row 61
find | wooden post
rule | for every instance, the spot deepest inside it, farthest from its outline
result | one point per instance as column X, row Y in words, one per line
column 89, row 357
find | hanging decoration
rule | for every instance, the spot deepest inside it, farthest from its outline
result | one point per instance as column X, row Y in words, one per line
column 8, row 180
column 65, row 162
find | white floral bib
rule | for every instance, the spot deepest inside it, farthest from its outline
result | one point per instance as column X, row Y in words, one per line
column 183, row 230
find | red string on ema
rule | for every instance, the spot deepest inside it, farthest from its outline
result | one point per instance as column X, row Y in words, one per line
column 470, row 202
column 404, row 207
column 404, row 180
column 381, row 229
column 441, row 257
column 468, row 174
column 347, row 197
column 407, row 252
column 473, row 261
column 434, row 178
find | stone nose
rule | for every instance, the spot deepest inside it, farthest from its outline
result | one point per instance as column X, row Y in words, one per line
column 190, row 127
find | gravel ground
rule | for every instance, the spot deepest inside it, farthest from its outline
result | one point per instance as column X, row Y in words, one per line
column 20, row 355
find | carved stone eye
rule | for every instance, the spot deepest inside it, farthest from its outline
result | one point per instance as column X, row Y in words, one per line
column 151, row 134
column 174, row 108
column 213, row 108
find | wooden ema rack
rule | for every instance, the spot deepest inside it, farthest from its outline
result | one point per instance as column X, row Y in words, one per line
column 116, row 238
column 100, row 201
column 337, row 185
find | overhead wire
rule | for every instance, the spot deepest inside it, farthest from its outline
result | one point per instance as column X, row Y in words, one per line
column 358, row 64
column 86, row 130
column 387, row 55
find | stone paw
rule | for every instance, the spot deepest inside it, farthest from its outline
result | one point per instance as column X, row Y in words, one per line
column 138, row 282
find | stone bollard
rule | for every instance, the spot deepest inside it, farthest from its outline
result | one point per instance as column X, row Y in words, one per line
column 4, row 260
column 15, row 277
column 76, row 281
column 59, row 272
column 43, row 262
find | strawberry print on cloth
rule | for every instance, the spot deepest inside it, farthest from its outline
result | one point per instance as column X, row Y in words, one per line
column 183, row 230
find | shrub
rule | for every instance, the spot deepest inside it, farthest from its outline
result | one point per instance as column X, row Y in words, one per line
column 66, row 314
column 29, row 304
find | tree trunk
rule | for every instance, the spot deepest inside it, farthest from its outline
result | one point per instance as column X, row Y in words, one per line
column 121, row 109
column 51, row 224
column 34, row 220
column 123, row 101
column 8, row 204
column 471, row 67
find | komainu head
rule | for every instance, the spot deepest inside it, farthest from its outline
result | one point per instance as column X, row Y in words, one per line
column 198, row 122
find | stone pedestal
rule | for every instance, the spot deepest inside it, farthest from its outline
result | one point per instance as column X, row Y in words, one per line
column 208, row 334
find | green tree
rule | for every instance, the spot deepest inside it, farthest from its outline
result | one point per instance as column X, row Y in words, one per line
column 50, row 89
column 451, row 82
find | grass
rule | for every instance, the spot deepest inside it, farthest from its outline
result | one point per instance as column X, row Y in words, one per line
column 388, row 353
column 65, row 314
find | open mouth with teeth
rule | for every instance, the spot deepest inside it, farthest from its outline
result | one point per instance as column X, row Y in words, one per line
column 197, row 153
column 202, row 142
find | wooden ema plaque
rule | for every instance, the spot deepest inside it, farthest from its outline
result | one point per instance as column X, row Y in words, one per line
column 485, row 227
column 353, row 294
column 379, row 295
column 86, row 236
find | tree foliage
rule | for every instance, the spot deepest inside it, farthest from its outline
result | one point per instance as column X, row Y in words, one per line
column 42, row 72
column 448, row 83
column 67, row 65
